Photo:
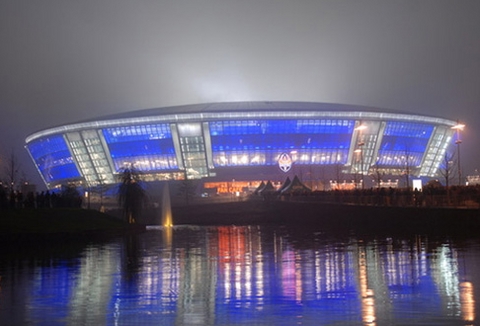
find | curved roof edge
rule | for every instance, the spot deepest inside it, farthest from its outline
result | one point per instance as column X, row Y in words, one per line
column 238, row 110
column 246, row 106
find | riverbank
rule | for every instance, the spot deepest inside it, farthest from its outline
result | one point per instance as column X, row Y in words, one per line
column 60, row 223
column 65, row 223
column 335, row 217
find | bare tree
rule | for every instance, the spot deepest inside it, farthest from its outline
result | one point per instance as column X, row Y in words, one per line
column 446, row 168
column 377, row 174
column 338, row 173
column 187, row 188
column 407, row 170
column 12, row 169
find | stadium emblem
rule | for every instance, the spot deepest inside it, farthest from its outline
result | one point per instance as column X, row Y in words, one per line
column 285, row 162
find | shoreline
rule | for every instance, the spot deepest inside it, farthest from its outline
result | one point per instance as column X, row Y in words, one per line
column 335, row 217
column 64, row 224
column 30, row 224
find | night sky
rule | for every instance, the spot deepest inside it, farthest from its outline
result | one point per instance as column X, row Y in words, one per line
column 62, row 61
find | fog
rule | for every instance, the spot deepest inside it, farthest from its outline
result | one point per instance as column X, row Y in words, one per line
column 65, row 61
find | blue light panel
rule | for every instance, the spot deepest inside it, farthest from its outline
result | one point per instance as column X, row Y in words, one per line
column 53, row 159
column 148, row 147
column 402, row 139
column 259, row 142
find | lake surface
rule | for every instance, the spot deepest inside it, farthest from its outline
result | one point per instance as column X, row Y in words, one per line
column 242, row 275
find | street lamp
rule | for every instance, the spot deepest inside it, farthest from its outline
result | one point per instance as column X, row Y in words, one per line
column 458, row 127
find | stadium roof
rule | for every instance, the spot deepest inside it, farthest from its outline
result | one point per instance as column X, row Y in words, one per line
column 242, row 110
column 246, row 107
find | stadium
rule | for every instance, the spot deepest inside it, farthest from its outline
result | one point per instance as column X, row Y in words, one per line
column 231, row 145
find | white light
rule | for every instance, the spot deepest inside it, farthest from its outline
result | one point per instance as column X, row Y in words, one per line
column 361, row 127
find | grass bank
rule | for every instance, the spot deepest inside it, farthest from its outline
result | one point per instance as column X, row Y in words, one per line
column 335, row 217
column 67, row 223
column 47, row 222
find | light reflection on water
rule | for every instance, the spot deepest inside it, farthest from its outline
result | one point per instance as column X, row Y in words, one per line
column 243, row 276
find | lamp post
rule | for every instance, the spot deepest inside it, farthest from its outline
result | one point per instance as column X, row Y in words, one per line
column 458, row 127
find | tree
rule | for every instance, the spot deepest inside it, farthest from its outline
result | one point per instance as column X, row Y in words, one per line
column 12, row 169
column 408, row 158
column 187, row 189
column 69, row 197
column 446, row 171
column 377, row 173
column 131, row 195
column 338, row 174
column 446, row 167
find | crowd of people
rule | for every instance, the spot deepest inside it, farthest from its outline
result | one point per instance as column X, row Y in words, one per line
column 66, row 197
column 453, row 196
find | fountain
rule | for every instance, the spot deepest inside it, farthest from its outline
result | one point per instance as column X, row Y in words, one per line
column 166, row 207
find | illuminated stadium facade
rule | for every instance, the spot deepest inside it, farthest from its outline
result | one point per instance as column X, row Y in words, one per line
column 241, row 140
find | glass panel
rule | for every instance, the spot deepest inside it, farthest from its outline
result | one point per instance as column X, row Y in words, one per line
column 53, row 159
column 404, row 143
column 82, row 157
column 148, row 147
column 260, row 142
column 193, row 151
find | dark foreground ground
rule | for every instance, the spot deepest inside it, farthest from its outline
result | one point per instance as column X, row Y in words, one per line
column 63, row 223
column 75, row 223
column 335, row 217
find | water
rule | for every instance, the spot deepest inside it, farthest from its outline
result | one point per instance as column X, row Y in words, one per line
column 248, row 275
